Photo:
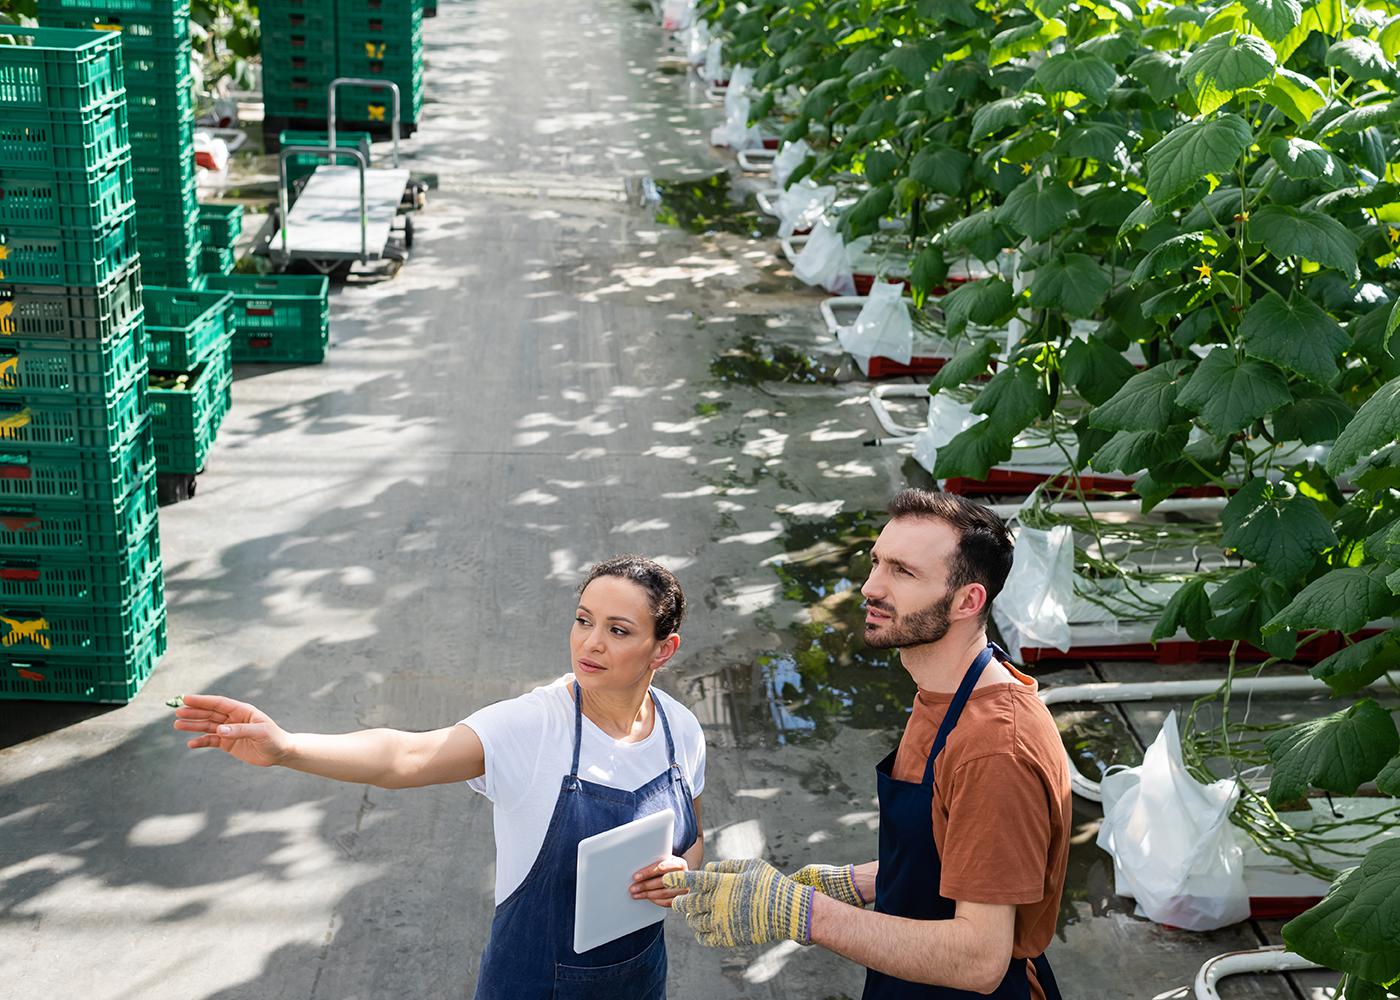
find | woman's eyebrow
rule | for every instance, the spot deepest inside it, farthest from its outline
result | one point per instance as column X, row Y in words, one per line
column 611, row 618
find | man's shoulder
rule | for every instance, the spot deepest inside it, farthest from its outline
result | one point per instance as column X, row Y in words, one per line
column 1008, row 721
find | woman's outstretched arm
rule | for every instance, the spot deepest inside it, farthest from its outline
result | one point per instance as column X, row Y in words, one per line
column 387, row 758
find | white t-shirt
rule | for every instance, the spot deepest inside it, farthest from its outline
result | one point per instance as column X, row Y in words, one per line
column 529, row 745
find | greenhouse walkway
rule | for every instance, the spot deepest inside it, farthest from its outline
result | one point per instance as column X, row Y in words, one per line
column 393, row 539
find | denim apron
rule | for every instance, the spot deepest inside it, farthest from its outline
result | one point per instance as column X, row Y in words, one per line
column 907, row 882
column 531, row 952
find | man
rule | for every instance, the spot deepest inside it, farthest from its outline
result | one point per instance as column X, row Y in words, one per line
column 974, row 802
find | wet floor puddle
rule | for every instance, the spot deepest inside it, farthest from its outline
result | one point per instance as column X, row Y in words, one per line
column 709, row 205
column 753, row 361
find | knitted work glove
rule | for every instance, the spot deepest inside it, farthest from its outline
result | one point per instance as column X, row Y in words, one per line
column 753, row 903
column 838, row 882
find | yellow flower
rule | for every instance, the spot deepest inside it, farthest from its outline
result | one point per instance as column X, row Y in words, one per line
column 1204, row 271
column 1026, row 167
column 1393, row 234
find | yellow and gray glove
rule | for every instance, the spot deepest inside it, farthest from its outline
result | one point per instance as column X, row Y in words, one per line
column 838, row 882
column 731, row 903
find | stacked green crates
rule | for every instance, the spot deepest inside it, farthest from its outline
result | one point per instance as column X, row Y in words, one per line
column 219, row 226
column 298, row 56
column 155, row 37
column 190, row 336
column 82, row 605
column 379, row 40
column 308, row 43
column 278, row 317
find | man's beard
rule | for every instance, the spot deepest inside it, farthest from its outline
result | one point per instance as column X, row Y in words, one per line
column 915, row 629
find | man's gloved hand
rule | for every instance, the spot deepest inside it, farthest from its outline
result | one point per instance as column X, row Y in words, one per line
column 731, row 903
column 838, row 882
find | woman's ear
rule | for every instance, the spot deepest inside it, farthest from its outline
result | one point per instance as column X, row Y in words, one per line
column 665, row 649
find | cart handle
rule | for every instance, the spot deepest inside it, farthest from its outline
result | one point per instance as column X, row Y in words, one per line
column 359, row 81
column 360, row 161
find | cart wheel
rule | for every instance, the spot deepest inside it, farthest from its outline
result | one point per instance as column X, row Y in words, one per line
column 420, row 197
column 408, row 232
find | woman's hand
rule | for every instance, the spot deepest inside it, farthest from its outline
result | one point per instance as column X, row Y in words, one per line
column 236, row 728
column 646, row 884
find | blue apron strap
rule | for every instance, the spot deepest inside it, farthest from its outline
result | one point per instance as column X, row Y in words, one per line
column 955, row 708
column 578, row 728
column 665, row 727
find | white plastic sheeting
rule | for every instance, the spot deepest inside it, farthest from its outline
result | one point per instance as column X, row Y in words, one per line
column 789, row 158
column 823, row 261
column 947, row 418
column 884, row 328
column 1034, row 606
column 802, row 205
column 1174, row 849
column 736, row 132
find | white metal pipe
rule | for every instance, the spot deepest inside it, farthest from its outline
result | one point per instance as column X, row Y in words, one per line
column 1274, row 958
column 1177, row 504
column 897, row 432
column 1170, row 690
column 757, row 161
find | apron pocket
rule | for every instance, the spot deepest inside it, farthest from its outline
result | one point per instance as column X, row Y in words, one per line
column 642, row 977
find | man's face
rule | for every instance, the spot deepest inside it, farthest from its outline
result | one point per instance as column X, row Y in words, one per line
column 907, row 601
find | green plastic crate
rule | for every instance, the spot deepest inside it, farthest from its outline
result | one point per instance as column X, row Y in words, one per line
column 66, row 255
column 173, row 271
column 66, row 199
column 216, row 260
column 51, row 580
column 58, row 69
column 220, row 225
column 187, row 420
column 35, row 366
column 301, row 165
column 36, row 628
column 66, row 141
column 82, row 422
column 185, row 327
column 277, row 317
column 106, row 679
column 76, row 475
column 138, row 22
column 80, row 312
column 78, row 530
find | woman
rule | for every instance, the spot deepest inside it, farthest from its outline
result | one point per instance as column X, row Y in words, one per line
column 589, row 752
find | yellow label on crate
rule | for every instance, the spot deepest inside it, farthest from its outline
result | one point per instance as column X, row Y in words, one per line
column 9, row 426
column 106, row 27
column 22, row 631
column 8, row 373
column 376, row 112
column 7, row 323
column 374, row 51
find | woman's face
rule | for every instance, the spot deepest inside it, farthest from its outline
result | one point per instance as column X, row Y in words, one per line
column 613, row 642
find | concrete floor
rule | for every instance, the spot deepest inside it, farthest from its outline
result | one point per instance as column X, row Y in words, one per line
column 392, row 539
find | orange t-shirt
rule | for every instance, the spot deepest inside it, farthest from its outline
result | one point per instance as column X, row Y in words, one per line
column 1001, row 803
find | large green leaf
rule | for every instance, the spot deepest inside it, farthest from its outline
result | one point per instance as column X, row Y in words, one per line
column 1336, row 753
column 1008, row 112
column 1095, row 370
column 1077, row 73
column 1359, row 119
column 1013, row 399
column 1171, row 256
column 1376, row 425
column 1305, row 160
column 1074, row 283
column 1274, row 18
column 1159, row 72
column 1018, row 41
column 1353, row 667
column 1312, row 419
column 1130, row 452
column 1147, row 401
column 1188, row 609
column 1038, row 208
column 1102, row 141
column 979, row 234
column 972, row 452
column 1297, row 96
column 983, row 302
column 1230, row 393
column 941, row 168
column 823, row 97
column 1315, row 934
column 1298, row 335
column 1191, row 151
column 1362, row 59
column 1388, row 781
column 1344, row 599
column 968, row 363
column 1301, row 232
column 1278, row 528
column 1225, row 65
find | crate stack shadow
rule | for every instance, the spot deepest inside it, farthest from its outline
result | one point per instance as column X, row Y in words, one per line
column 82, row 594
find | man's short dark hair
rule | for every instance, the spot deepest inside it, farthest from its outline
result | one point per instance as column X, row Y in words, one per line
column 984, row 547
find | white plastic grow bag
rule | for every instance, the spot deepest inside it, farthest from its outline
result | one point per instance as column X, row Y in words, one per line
column 802, row 206
column 1174, row 849
column 789, row 158
column 823, row 261
column 883, row 329
column 677, row 15
column 736, row 132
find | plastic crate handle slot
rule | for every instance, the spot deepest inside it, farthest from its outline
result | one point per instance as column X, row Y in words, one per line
column 7, row 323
column 9, row 361
column 13, row 416
column 19, row 572
column 25, row 629
column 17, row 521
column 29, row 675
column 259, row 341
column 15, row 467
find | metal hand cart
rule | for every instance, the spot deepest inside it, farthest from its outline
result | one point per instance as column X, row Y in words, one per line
column 346, row 214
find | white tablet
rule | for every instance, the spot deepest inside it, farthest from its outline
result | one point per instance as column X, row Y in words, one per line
column 604, row 909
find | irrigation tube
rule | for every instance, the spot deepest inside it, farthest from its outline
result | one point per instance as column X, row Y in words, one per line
column 1233, row 963
column 1153, row 690
column 757, row 161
